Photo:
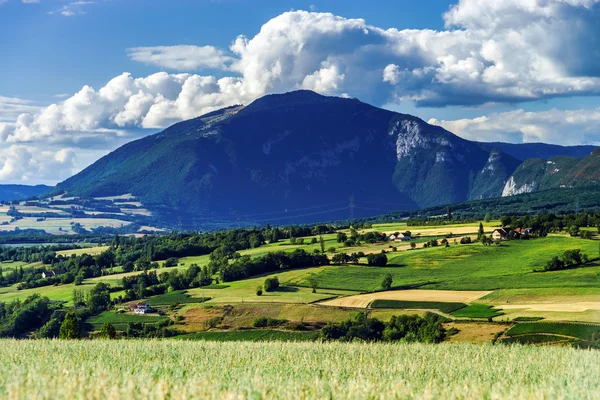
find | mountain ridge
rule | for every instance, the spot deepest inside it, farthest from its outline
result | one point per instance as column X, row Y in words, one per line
column 297, row 150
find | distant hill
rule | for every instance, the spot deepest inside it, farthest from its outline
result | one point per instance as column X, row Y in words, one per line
column 298, row 157
column 21, row 192
column 557, row 172
column 558, row 201
column 524, row 151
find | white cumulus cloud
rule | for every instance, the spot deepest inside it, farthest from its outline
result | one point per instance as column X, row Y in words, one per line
column 566, row 127
column 182, row 57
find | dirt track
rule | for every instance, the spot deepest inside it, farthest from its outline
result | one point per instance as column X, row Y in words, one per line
column 363, row 300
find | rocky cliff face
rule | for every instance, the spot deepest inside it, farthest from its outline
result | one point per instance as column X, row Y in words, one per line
column 537, row 174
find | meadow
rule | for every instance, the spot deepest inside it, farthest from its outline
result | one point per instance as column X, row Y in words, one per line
column 152, row 369
column 470, row 267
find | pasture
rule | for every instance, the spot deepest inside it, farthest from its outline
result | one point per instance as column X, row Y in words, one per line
column 143, row 369
column 470, row 267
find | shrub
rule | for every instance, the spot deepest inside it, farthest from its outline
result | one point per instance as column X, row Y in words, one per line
column 377, row 260
column 386, row 284
column 271, row 284
column 213, row 322
column 466, row 240
column 259, row 291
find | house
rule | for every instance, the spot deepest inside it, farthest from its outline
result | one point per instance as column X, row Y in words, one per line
column 500, row 234
column 391, row 238
column 403, row 236
column 524, row 231
column 48, row 274
column 140, row 308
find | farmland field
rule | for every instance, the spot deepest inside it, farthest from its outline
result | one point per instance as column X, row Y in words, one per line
column 418, row 305
column 363, row 300
column 120, row 320
column 180, row 370
column 471, row 267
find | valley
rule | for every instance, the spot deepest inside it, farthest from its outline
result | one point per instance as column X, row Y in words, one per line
column 477, row 288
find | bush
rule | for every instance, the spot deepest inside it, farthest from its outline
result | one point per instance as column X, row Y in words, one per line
column 259, row 291
column 271, row 284
column 213, row 322
column 386, row 284
column 171, row 262
column 466, row 240
column 377, row 260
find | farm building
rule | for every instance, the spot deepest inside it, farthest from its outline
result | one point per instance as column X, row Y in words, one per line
column 500, row 234
column 524, row 231
column 140, row 308
column 403, row 236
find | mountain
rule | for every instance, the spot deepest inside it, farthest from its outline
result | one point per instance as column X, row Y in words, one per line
column 22, row 192
column 524, row 151
column 296, row 157
column 558, row 172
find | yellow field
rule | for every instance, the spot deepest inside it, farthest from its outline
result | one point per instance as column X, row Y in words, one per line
column 88, row 250
column 363, row 300
column 63, row 225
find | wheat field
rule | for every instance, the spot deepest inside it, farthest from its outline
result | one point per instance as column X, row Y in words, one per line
column 153, row 369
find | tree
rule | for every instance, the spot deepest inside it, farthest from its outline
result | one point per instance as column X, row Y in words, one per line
column 271, row 284
column 386, row 284
column 487, row 218
column 449, row 213
column 413, row 245
column 99, row 298
column 314, row 284
column 108, row 331
column 69, row 328
column 480, row 232
column 340, row 258
column 322, row 243
column 341, row 237
column 377, row 260
column 259, row 290
column 116, row 241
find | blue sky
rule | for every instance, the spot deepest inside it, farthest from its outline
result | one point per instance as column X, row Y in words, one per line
column 54, row 54
column 80, row 78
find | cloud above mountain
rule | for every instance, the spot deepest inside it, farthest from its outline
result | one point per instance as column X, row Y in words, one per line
column 572, row 127
column 490, row 52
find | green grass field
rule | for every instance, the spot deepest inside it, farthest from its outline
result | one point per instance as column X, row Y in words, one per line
column 120, row 321
column 477, row 311
column 260, row 335
column 418, row 305
column 579, row 331
column 470, row 267
column 177, row 297
column 159, row 369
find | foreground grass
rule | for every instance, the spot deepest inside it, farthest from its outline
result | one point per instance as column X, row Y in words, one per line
column 183, row 369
